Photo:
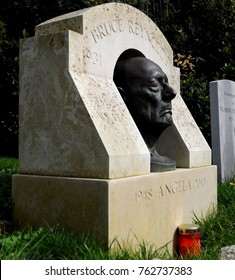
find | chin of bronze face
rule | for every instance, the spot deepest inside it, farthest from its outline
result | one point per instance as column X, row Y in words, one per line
column 165, row 115
column 162, row 122
column 160, row 116
column 166, row 119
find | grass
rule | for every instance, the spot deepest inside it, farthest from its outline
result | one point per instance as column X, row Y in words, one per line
column 48, row 244
column 8, row 166
column 217, row 231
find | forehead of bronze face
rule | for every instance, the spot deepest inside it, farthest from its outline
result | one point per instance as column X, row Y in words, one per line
column 136, row 70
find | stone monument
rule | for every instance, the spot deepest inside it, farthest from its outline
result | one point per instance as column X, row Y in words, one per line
column 222, row 101
column 84, row 164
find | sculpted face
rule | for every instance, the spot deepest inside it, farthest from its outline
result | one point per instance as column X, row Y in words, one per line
column 145, row 90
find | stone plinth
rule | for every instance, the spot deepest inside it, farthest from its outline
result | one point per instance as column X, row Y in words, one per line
column 148, row 207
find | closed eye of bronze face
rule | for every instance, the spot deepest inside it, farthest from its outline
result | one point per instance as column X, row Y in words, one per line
column 157, row 79
column 156, row 86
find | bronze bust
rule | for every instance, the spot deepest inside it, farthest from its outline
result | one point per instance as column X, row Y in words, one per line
column 145, row 90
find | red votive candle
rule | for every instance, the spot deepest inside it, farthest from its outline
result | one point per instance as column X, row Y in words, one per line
column 189, row 239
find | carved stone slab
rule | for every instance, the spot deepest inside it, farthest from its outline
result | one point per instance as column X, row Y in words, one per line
column 73, row 121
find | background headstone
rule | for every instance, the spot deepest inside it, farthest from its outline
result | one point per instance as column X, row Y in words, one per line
column 222, row 100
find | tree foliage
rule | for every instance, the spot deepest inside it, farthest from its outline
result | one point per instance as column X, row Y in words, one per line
column 201, row 33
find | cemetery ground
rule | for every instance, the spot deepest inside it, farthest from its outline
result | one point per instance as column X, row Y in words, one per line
column 217, row 231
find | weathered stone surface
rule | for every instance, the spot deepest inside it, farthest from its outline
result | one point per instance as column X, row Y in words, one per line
column 227, row 253
column 85, row 164
column 148, row 207
column 73, row 124
column 72, row 119
column 222, row 98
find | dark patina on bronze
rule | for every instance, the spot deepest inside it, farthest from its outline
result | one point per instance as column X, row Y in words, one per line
column 147, row 94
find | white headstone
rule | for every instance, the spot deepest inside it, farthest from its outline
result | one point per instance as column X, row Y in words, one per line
column 222, row 98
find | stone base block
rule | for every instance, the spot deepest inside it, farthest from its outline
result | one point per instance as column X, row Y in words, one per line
column 130, row 210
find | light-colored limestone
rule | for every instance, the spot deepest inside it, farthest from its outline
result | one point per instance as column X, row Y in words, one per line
column 222, row 101
column 83, row 162
column 148, row 207
column 73, row 121
column 72, row 124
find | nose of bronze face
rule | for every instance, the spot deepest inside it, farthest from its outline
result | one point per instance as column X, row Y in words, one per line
column 169, row 93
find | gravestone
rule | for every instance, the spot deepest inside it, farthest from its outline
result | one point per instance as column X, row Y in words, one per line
column 222, row 100
column 83, row 164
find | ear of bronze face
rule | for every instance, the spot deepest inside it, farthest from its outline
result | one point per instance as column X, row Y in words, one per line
column 147, row 95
